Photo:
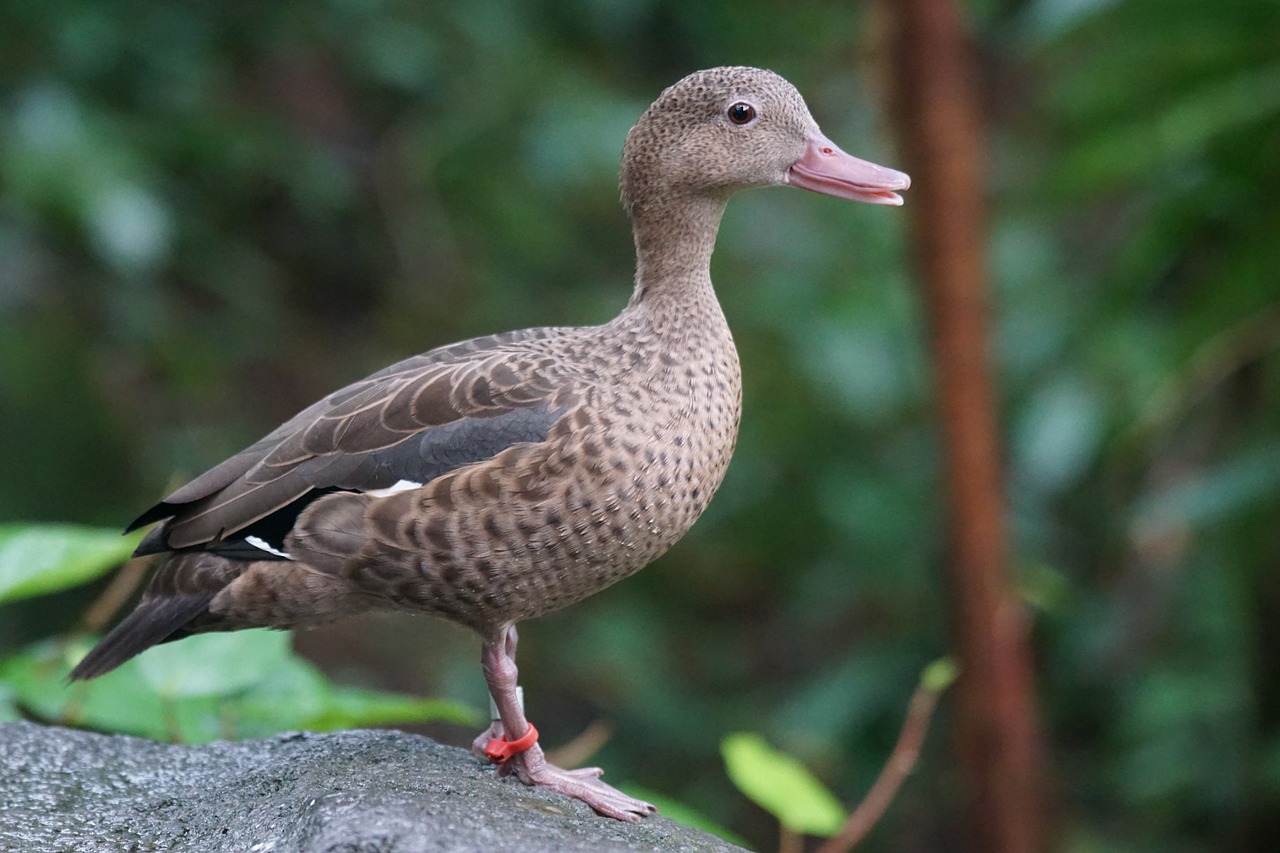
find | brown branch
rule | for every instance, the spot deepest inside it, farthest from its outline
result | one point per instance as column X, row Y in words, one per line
column 1212, row 364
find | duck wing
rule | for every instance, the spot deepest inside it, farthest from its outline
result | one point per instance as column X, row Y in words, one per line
column 399, row 428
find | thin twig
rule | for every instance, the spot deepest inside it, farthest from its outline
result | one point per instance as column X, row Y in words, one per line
column 108, row 604
column 789, row 841
column 1212, row 363
column 899, row 766
column 581, row 748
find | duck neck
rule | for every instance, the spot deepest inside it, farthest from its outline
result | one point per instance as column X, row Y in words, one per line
column 674, row 241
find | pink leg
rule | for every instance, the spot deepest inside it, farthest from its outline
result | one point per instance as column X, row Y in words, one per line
column 496, row 657
column 531, row 767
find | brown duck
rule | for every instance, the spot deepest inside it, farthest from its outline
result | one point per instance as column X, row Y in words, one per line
column 508, row 476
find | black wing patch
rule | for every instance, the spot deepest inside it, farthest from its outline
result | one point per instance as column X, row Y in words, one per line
column 435, row 452
column 419, row 458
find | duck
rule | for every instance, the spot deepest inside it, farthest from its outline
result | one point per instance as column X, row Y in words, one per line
column 498, row 479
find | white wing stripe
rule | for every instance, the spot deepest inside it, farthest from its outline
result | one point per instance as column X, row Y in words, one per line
column 401, row 486
column 261, row 545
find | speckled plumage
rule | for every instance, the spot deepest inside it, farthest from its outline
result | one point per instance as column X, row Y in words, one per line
column 620, row 476
column 502, row 478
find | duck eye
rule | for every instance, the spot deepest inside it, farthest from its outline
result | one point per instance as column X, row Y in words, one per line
column 741, row 113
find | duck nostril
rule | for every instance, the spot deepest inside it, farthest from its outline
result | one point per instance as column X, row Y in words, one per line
column 828, row 150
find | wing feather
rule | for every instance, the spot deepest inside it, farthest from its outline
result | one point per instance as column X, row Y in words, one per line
column 415, row 421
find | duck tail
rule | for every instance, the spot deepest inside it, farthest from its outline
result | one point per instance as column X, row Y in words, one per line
column 180, row 592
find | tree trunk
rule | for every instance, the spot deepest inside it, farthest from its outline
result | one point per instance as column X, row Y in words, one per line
column 938, row 115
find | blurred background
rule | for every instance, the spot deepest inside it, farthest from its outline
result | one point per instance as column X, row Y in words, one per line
column 212, row 214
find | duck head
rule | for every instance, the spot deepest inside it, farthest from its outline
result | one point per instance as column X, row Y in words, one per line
column 725, row 129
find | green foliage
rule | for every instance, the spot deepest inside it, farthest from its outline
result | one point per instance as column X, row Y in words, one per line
column 781, row 785
column 41, row 559
column 247, row 684
column 242, row 684
column 8, row 704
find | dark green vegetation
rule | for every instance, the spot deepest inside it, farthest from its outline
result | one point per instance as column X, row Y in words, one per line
column 211, row 215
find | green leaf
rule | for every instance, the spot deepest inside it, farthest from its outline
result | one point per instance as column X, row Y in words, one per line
column 118, row 702
column 214, row 664
column 352, row 707
column 8, row 705
column 1058, row 434
column 37, row 559
column 938, row 675
column 298, row 696
column 781, row 785
column 1241, row 483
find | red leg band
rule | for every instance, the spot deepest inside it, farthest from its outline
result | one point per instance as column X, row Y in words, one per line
column 500, row 749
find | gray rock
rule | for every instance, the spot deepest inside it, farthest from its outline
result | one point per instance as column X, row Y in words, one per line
column 67, row 791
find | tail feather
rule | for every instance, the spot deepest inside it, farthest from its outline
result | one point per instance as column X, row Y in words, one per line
column 176, row 599
column 153, row 622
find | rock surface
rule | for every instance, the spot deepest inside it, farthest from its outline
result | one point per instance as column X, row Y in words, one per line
column 351, row 792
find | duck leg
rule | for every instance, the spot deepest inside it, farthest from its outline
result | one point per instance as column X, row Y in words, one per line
column 529, row 764
column 496, row 658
